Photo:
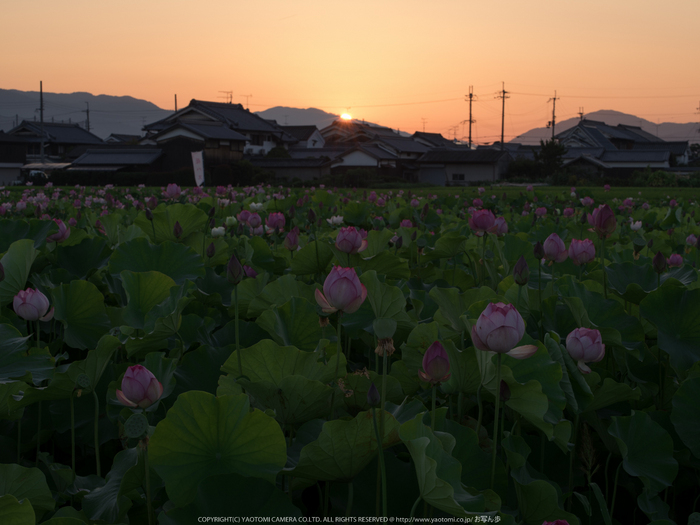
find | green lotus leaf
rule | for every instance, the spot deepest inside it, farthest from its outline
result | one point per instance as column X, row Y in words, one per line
column 686, row 414
column 634, row 281
column 610, row 392
column 358, row 385
column 438, row 472
column 17, row 263
column 279, row 292
column 15, row 512
column 377, row 241
column 539, row 500
column 254, row 497
column 646, row 448
column 386, row 263
column 386, row 301
column 12, row 230
column 344, row 448
column 165, row 216
column 313, row 258
column 174, row 260
column 109, row 502
column 144, row 291
column 14, row 361
column 80, row 259
column 80, row 307
column 675, row 311
column 203, row 435
column 464, row 370
column 29, row 483
column 96, row 362
column 295, row 323
column 264, row 258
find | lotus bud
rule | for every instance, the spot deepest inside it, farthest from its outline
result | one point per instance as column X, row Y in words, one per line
column 2, row 273
column 373, row 397
column 140, row 388
column 659, row 263
column 414, row 235
column 212, row 211
column 585, row 346
column 436, row 365
column 504, row 391
column 521, row 272
column 538, row 251
column 149, row 214
column 311, row 216
column 32, row 305
column 234, row 270
column 342, row 291
column 211, row 250
column 399, row 243
column 499, row 328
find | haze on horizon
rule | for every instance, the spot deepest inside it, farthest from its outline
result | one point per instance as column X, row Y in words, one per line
column 407, row 64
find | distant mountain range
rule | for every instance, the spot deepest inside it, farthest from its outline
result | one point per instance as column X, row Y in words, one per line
column 108, row 114
column 668, row 131
column 127, row 115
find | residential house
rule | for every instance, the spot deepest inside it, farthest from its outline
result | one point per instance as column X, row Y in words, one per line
column 453, row 167
column 227, row 122
column 307, row 137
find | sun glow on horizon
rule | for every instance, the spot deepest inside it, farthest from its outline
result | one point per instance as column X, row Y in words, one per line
column 346, row 116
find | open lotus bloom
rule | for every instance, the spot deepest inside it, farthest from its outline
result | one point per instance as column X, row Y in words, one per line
column 342, row 291
column 481, row 221
column 585, row 345
column 499, row 328
column 350, row 240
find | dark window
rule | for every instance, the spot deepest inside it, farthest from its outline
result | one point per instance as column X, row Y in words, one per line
column 458, row 176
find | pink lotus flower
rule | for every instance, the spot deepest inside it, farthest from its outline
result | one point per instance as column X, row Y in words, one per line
column 568, row 212
column 675, row 261
column 477, row 203
column 499, row 328
column 606, row 187
column 581, row 251
column 254, row 220
column 275, row 220
column 529, row 187
column 691, row 240
column 406, row 223
column 140, row 388
column 645, row 206
column 500, row 227
column 603, row 221
column 585, row 345
column 436, row 365
column 481, row 191
column 173, row 191
column 62, row 234
column 556, row 522
column 587, row 201
column 481, row 221
column 249, row 271
column 350, row 240
column 415, row 203
column 32, row 305
column 541, row 212
column 554, row 249
column 342, row 291
column 291, row 241
column 243, row 216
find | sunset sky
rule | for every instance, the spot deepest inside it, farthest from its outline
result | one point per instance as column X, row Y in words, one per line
column 406, row 64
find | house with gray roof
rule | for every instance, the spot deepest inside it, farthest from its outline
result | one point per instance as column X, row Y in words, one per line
column 306, row 136
column 457, row 167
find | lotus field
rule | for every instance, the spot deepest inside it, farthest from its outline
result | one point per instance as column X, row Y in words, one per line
column 181, row 356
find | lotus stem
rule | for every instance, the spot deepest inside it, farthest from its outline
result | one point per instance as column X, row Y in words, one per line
column 148, row 482
column 460, row 401
column 517, row 301
column 612, row 504
column 338, row 352
column 413, row 509
column 539, row 297
column 382, row 467
column 383, row 395
column 432, row 412
column 97, row 433
column 495, row 420
column 348, row 509
column 72, row 432
column 481, row 411
column 19, row 440
column 602, row 263
column 38, row 335
column 572, row 454
column 38, row 436
column 238, row 345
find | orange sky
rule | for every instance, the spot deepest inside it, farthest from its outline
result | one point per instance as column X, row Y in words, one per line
column 401, row 63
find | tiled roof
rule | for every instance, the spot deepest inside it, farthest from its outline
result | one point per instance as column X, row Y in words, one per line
column 635, row 156
column 121, row 157
column 676, row 147
column 300, row 132
column 264, row 162
column 403, row 145
column 210, row 130
column 57, row 133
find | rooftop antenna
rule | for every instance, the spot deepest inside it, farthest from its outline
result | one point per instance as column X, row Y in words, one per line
column 424, row 121
column 247, row 97
column 580, row 113
column 228, row 95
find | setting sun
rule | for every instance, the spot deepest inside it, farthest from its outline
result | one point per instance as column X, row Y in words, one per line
column 346, row 116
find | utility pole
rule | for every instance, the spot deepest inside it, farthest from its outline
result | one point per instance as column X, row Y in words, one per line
column 41, row 114
column 87, row 111
column 471, row 120
column 175, row 102
column 424, row 120
column 246, row 100
column 580, row 113
column 554, row 116
column 503, row 95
